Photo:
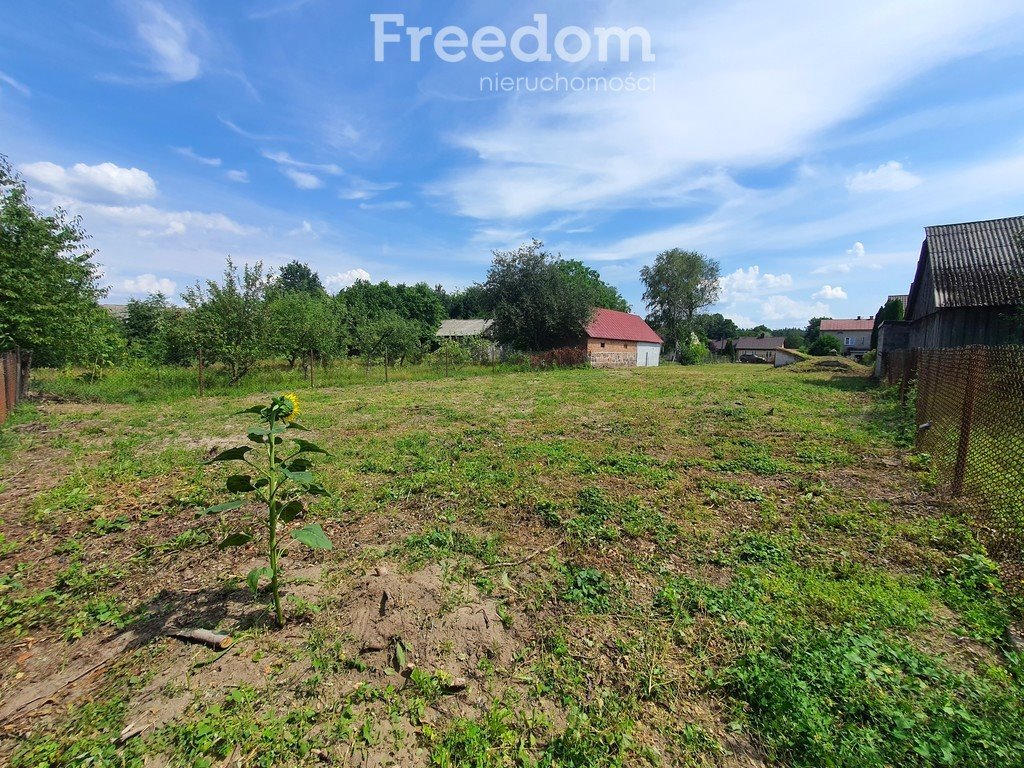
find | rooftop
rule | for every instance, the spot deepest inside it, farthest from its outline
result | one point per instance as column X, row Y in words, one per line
column 767, row 343
column 976, row 264
column 858, row 324
column 621, row 326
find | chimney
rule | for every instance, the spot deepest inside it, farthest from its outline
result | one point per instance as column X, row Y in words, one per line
column 859, row 317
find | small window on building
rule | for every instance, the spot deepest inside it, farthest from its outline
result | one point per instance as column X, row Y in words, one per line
column 625, row 346
column 602, row 345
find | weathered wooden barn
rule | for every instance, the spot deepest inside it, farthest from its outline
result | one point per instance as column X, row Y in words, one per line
column 969, row 288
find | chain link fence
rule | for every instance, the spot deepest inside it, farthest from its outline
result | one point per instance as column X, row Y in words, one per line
column 13, row 381
column 970, row 417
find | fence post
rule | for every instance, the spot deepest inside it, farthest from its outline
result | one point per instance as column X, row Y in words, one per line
column 202, row 387
column 312, row 385
column 975, row 361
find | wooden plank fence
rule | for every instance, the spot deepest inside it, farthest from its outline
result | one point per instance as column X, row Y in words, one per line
column 13, row 381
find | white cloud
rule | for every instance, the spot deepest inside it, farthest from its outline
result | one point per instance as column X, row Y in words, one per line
column 305, row 229
column 361, row 189
column 537, row 156
column 191, row 155
column 303, row 180
column 284, row 159
column 888, row 177
column 347, row 278
column 19, row 87
column 168, row 43
column 91, row 181
column 830, row 293
column 150, row 284
column 857, row 251
column 242, row 177
column 783, row 308
column 747, row 283
column 148, row 221
column 393, row 205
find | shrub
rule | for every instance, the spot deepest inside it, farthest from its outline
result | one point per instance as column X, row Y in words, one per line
column 826, row 344
column 563, row 357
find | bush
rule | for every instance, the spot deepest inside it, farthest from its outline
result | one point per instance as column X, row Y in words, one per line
column 693, row 354
column 870, row 357
column 826, row 344
column 563, row 357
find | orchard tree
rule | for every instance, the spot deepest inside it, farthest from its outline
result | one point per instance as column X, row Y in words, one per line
column 230, row 320
column 146, row 324
column 588, row 282
column 49, row 283
column 677, row 285
column 534, row 303
column 304, row 324
column 296, row 277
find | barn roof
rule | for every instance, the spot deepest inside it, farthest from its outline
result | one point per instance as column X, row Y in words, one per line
column 767, row 343
column 620, row 326
column 859, row 324
column 462, row 328
column 976, row 264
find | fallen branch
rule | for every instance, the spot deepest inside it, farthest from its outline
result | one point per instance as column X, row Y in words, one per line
column 525, row 559
column 204, row 636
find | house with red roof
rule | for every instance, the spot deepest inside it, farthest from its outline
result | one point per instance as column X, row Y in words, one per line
column 621, row 340
column 855, row 334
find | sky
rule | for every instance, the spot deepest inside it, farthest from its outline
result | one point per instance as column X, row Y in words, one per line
column 804, row 144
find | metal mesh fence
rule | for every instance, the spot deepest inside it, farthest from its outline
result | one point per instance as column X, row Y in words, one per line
column 970, row 416
column 11, row 383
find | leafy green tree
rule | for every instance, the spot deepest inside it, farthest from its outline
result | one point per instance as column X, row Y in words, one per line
column 794, row 337
column 814, row 330
column 418, row 303
column 306, row 324
column 230, row 321
column 49, row 283
column 296, row 277
column 465, row 304
column 588, row 282
column 534, row 304
column 677, row 285
column 891, row 310
column 388, row 338
column 715, row 326
column 826, row 344
column 146, row 323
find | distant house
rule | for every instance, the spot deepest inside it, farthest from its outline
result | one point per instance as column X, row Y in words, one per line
column 621, row 340
column 718, row 346
column 855, row 335
column 750, row 349
column 464, row 329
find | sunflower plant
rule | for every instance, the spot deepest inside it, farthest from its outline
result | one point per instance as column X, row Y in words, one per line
column 280, row 477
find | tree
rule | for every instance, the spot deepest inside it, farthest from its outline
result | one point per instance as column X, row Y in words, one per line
column 146, row 325
column 826, row 344
column 814, row 330
column 891, row 310
column 715, row 326
column 465, row 304
column 677, row 285
column 49, row 283
column 305, row 324
column 388, row 337
column 794, row 337
column 588, row 282
column 296, row 277
column 418, row 303
column 230, row 322
column 534, row 304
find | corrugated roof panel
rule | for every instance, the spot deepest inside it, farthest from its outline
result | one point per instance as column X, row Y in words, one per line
column 620, row 326
column 977, row 264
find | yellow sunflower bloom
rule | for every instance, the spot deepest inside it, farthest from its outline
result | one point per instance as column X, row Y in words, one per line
column 292, row 398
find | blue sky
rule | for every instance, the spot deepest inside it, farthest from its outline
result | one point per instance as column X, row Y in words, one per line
column 803, row 144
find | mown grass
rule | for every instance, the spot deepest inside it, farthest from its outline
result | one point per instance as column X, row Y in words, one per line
column 691, row 562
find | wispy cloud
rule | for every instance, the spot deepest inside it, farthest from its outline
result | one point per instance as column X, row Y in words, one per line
column 283, row 158
column 361, row 189
column 168, row 42
column 19, row 87
column 277, row 9
column 303, row 180
column 393, row 205
column 191, row 155
column 888, row 177
column 245, row 134
column 347, row 278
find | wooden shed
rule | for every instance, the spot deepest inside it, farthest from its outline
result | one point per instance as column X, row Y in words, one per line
column 969, row 286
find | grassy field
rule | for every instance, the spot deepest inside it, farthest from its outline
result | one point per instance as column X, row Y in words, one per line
column 721, row 565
